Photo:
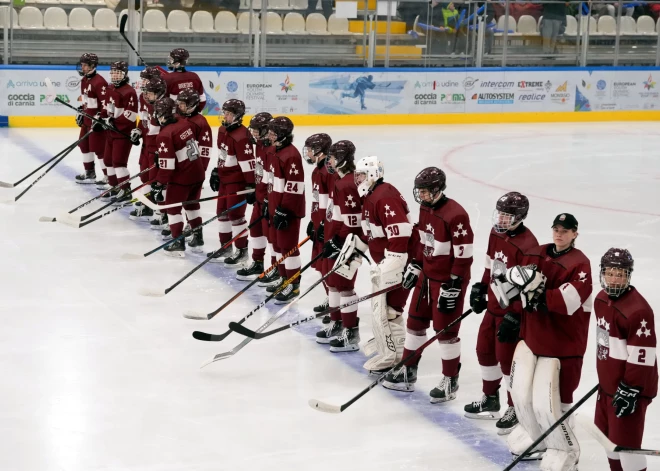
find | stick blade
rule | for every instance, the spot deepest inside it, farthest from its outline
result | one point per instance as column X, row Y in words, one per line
column 6, row 185
column 154, row 293
column 47, row 219
column 131, row 256
column 203, row 336
column 218, row 357
column 587, row 423
column 69, row 220
column 195, row 316
column 324, row 406
column 147, row 202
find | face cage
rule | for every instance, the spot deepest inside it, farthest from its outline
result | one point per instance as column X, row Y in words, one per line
column 509, row 221
column 310, row 150
column 114, row 74
column 434, row 196
column 170, row 63
column 618, row 289
column 331, row 170
column 363, row 181
column 189, row 109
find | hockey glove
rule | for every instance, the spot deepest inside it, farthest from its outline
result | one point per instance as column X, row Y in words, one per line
column 214, row 181
column 80, row 118
column 97, row 126
column 411, row 275
column 332, row 248
column 136, row 135
column 449, row 294
column 320, row 233
column 509, row 329
column 264, row 209
column 625, row 399
column 156, row 158
column 478, row 297
column 310, row 231
column 157, row 192
column 281, row 218
column 109, row 123
column 250, row 198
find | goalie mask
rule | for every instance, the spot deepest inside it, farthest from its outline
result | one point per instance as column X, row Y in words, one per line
column 154, row 90
column 341, row 157
column 315, row 145
column 368, row 170
column 119, row 73
column 178, row 59
column 91, row 61
column 187, row 102
column 616, row 267
column 429, row 185
column 147, row 74
column 164, row 111
column 510, row 210
column 259, row 126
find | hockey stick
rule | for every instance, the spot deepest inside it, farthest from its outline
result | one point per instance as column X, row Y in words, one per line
column 551, row 428
column 160, row 207
column 116, row 187
column 589, row 426
column 129, row 256
column 253, row 334
column 79, row 221
column 325, row 407
column 148, row 292
column 67, row 150
column 217, row 338
column 206, row 317
column 122, row 31
column 117, row 208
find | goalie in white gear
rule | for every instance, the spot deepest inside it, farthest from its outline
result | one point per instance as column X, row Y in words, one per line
column 387, row 228
column 555, row 289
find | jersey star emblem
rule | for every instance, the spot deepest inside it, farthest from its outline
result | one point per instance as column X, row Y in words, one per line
column 582, row 277
column 293, row 170
column 248, row 149
column 272, row 169
column 387, row 208
column 429, row 228
column 500, row 255
column 224, row 147
column 643, row 330
column 390, row 213
column 206, row 137
column 349, row 197
column 102, row 89
column 460, row 231
column 601, row 322
column 112, row 100
column 162, row 148
column 353, row 204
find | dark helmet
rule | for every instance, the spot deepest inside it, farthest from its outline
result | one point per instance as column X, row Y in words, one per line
column 150, row 72
column 344, row 154
column 164, row 110
column 177, row 56
column 234, row 106
column 156, row 86
column 616, row 258
column 432, row 179
column 316, row 144
column 259, row 123
column 282, row 127
column 120, row 70
column 88, row 58
column 509, row 212
column 190, row 97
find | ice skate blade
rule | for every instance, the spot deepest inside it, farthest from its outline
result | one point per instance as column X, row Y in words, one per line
column 435, row 400
column 324, row 406
column 323, row 341
column 504, row 431
column 154, row 293
column 350, row 348
column 399, row 386
column 246, row 277
column 175, row 254
column 483, row 415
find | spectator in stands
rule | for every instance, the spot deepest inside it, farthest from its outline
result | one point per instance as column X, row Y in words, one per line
column 325, row 4
column 552, row 25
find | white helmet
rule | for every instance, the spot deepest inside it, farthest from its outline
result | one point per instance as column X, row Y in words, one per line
column 368, row 170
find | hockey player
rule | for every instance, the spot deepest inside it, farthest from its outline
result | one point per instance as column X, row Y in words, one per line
column 259, row 233
column 315, row 153
column 93, row 89
column 555, row 291
column 342, row 333
column 387, row 228
column 443, row 259
column 498, row 334
column 120, row 112
column 626, row 359
column 234, row 173
column 286, row 203
column 180, row 168
column 147, row 131
column 180, row 79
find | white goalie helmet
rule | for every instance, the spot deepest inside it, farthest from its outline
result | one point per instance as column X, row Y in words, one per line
column 368, row 170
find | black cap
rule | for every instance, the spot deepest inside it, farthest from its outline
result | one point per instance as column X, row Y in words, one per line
column 567, row 221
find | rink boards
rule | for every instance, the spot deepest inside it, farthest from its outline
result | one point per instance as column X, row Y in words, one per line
column 328, row 96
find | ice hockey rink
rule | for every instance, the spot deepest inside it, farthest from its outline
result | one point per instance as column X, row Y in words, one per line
column 97, row 377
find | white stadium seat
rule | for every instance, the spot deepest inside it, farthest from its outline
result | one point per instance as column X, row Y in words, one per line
column 31, row 18
column 571, row 26
column 4, row 17
column 294, row 23
column 645, row 25
column 338, row 25
column 225, row 22
column 316, row 24
column 105, row 20
column 593, row 29
column 154, row 22
column 273, row 23
column 606, row 25
column 511, row 25
column 244, row 22
column 55, row 18
column 178, row 21
column 202, row 22
column 527, row 25
column 628, row 25
column 80, row 19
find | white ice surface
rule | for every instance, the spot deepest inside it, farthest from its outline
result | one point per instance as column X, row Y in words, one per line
column 99, row 378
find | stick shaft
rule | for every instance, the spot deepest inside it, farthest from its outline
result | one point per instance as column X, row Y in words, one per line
column 67, row 150
column 87, row 216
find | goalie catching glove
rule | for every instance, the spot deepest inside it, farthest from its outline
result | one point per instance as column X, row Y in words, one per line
column 350, row 256
column 530, row 282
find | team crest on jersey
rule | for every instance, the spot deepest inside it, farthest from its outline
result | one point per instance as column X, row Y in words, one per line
column 602, row 338
column 498, row 269
column 328, row 211
column 429, row 244
column 315, row 192
column 223, row 152
column 258, row 171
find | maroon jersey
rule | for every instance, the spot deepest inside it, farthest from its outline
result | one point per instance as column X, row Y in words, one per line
column 94, row 91
column 505, row 250
column 626, row 343
column 263, row 175
column 203, row 136
column 144, row 112
column 446, row 241
column 561, row 330
column 386, row 221
column 122, row 107
column 322, row 181
column 177, row 81
column 346, row 208
column 236, row 159
column 176, row 147
column 288, row 182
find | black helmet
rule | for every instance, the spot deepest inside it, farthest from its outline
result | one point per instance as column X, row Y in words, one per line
column 433, row 180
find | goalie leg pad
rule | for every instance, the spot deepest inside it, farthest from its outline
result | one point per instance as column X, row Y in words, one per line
column 390, row 338
column 632, row 462
column 521, row 382
column 563, row 449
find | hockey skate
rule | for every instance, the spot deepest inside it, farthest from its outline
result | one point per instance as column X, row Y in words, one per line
column 102, row 183
column 122, row 196
column 159, row 222
column 329, row 332
column 196, row 244
column 322, row 307
column 288, row 294
column 238, row 259
column 87, row 178
column 110, row 196
column 348, row 341
column 141, row 211
column 252, row 272
column 166, row 234
column 488, row 408
column 219, row 255
column 275, row 286
column 446, row 390
column 176, row 249
column 270, row 279
column 187, row 233
column 401, row 379
column 508, row 421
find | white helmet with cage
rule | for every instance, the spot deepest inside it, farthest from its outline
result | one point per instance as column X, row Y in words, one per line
column 368, row 170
